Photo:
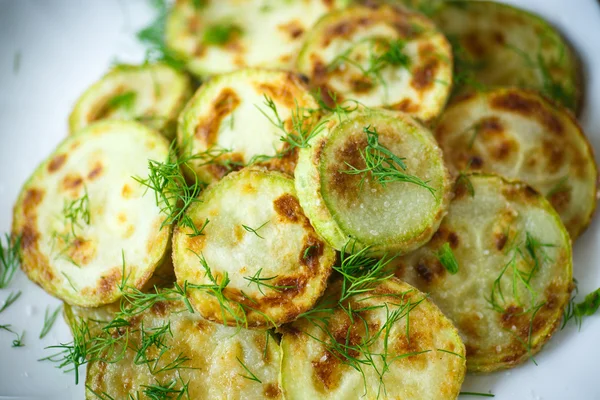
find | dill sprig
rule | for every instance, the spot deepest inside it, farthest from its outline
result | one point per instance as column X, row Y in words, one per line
column 77, row 212
column 49, row 319
column 252, row 376
column 446, row 257
column 477, row 394
column 261, row 282
column 10, row 258
column 168, row 390
column 12, row 297
column 220, row 34
column 301, row 132
column 255, row 231
column 153, row 37
column 173, row 194
column 383, row 165
column 341, row 108
column 124, row 100
column 576, row 311
column 18, row 341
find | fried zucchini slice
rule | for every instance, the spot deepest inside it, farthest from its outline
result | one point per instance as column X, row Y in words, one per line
column 153, row 94
column 377, row 204
column 258, row 262
column 210, row 360
column 499, row 45
column 518, row 134
column 81, row 214
column 513, row 270
column 391, row 342
column 379, row 56
column 214, row 37
column 242, row 117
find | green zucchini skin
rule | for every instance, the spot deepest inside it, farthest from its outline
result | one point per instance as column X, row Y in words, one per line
column 397, row 217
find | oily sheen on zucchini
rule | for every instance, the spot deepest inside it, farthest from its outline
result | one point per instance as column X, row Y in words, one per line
column 379, row 56
column 518, row 134
column 152, row 94
column 214, row 357
column 81, row 214
column 514, row 270
column 332, row 356
column 229, row 122
column 214, row 37
column 343, row 204
column 258, row 248
column 499, row 45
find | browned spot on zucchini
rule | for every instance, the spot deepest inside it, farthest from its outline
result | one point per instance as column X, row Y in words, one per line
column 327, row 372
column 72, row 181
column 33, row 197
column 430, row 270
column 288, row 207
column 160, row 308
column 406, row 106
column 311, row 252
column 472, row 43
column 29, row 237
column 293, row 29
column 476, row 162
column 57, row 162
column 82, row 251
column 490, row 126
column 208, row 128
column 515, row 102
column 109, row 282
column 502, row 150
column 96, row 171
column 555, row 154
column 282, row 93
column 560, row 200
column 126, row 192
column 342, row 183
column 271, row 391
column 500, row 239
column 423, row 76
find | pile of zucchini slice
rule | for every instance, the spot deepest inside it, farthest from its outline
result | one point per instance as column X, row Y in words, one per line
column 316, row 186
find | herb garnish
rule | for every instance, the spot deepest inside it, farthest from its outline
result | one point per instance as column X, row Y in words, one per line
column 124, row 100
column 255, row 231
column 447, row 258
column 220, row 34
column 153, row 36
column 18, row 342
column 383, row 165
column 10, row 255
column 252, row 376
column 49, row 320
column 260, row 282
column 576, row 311
column 12, row 297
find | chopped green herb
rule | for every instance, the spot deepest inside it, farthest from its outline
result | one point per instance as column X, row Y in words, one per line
column 576, row 311
column 124, row 100
column 10, row 256
column 221, row 34
column 252, row 377
column 12, row 297
column 477, row 394
column 49, row 320
column 260, row 282
column 447, row 258
column 255, row 231
column 18, row 342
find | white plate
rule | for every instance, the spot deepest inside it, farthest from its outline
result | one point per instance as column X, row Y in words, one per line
column 65, row 45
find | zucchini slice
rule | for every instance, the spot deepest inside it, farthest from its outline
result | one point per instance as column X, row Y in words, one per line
column 499, row 45
column 511, row 258
column 388, row 208
column 518, row 134
column 214, row 37
column 340, row 354
column 243, row 117
column 153, row 94
column 81, row 215
column 379, row 56
column 209, row 359
column 258, row 262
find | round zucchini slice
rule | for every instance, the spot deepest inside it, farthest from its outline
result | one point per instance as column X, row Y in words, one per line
column 375, row 177
column 258, row 262
column 379, row 56
column 518, row 134
column 499, row 267
column 499, row 45
column 243, row 117
column 153, row 94
column 214, row 37
column 81, row 214
column 391, row 342
column 185, row 351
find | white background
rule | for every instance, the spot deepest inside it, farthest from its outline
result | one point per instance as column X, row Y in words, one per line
column 65, row 45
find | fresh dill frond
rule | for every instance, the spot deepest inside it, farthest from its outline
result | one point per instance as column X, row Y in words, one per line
column 124, row 101
column 383, row 165
column 446, row 257
column 10, row 258
column 464, row 180
column 168, row 390
column 255, row 231
column 173, row 194
column 220, row 34
column 12, row 297
column 261, row 282
column 49, row 319
column 252, row 376
column 18, row 341
column 77, row 212
column 340, row 109
column 576, row 311
column 187, row 222
column 477, row 394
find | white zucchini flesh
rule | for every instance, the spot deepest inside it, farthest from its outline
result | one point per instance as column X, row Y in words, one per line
column 284, row 251
column 499, row 228
column 498, row 45
column 263, row 33
column 212, row 371
column 228, row 120
column 518, row 134
column 90, row 177
column 397, row 217
column 312, row 368
column 339, row 57
column 152, row 94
